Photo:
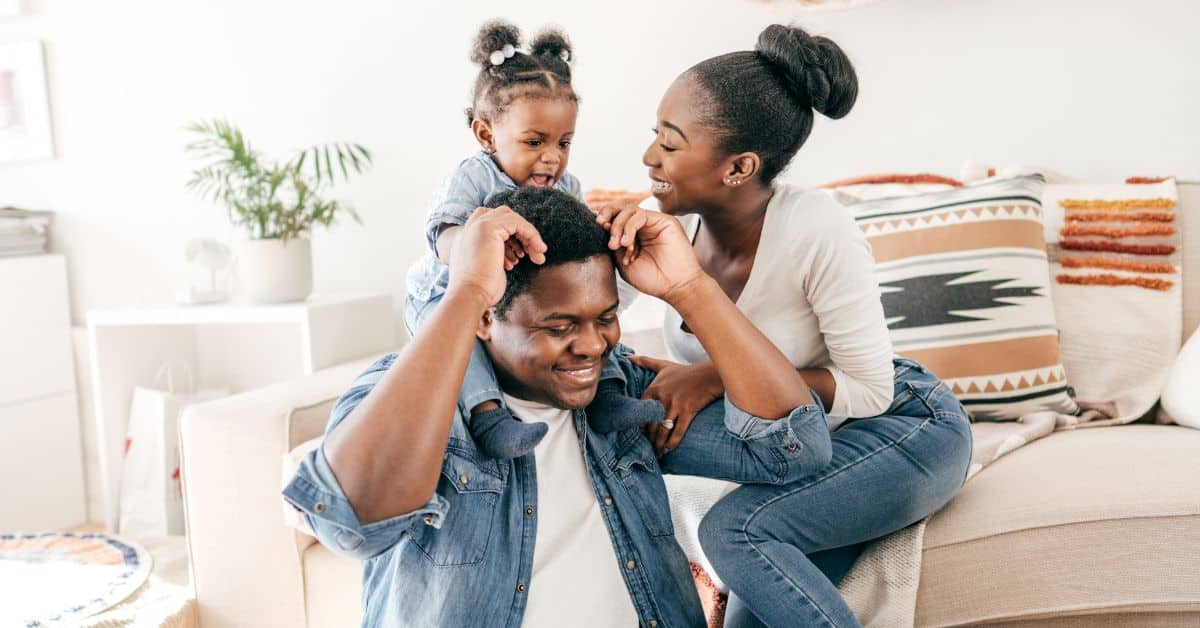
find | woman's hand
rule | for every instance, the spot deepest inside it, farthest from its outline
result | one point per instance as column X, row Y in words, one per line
column 487, row 246
column 653, row 253
column 684, row 390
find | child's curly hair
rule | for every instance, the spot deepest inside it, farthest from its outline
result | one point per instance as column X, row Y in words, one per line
column 544, row 72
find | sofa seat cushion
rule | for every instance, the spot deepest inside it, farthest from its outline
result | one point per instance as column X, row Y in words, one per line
column 332, row 588
column 1079, row 524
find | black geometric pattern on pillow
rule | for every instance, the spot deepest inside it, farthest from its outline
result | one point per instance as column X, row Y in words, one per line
column 931, row 300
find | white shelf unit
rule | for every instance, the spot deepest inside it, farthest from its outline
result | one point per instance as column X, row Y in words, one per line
column 228, row 346
column 41, row 458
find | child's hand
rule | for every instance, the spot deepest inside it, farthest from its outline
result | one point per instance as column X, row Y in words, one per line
column 513, row 252
column 623, row 224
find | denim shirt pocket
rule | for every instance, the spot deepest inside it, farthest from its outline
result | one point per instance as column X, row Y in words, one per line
column 471, row 486
column 639, row 474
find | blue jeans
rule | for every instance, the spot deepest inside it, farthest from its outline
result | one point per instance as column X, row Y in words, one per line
column 781, row 548
column 479, row 383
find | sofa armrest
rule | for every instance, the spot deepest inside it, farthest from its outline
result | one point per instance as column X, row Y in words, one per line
column 244, row 560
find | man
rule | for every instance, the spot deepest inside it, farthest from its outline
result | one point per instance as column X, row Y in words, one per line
column 579, row 532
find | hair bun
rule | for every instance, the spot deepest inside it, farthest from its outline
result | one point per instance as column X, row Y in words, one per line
column 554, row 42
column 493, row 36
column 813, row 69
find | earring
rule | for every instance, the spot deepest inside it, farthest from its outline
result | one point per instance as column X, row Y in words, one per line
column 733, row 181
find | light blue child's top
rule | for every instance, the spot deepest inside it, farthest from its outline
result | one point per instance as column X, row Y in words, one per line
column 452, row 203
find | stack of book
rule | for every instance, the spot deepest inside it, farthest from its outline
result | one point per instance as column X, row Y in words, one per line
column 23, row 232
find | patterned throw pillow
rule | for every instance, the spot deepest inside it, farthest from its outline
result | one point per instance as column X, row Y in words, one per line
column 965, row 287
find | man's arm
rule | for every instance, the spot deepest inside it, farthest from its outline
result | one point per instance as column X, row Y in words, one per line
column 387, row 453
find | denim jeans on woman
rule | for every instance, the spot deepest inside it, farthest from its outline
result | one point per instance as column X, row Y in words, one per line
column 778, row 547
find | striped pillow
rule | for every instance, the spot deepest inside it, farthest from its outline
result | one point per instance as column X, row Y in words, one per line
column 965, row 287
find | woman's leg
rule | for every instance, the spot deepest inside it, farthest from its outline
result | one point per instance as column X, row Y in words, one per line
column 834, row 564
column 887, row 472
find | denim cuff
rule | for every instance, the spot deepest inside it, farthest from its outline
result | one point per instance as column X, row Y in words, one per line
column 315, row 492
column 749, row 427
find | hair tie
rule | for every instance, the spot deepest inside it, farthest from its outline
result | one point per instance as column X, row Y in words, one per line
column 497, row 57
column 565, row 55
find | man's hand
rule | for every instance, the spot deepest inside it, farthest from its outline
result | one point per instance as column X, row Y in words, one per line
column 653, row 254
column 484, row 250
column 684, row 390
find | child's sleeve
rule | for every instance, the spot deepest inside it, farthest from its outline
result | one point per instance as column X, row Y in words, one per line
column 452, row 203
column 573, row 187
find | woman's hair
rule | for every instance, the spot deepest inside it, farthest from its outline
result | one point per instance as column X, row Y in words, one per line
column 543, row 72
column 763, row 101
column 566, row 225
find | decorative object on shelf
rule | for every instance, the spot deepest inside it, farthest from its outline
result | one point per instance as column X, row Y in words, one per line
column 210, row 272
column 23, row 232
column 151, row 494
column 24, row 107
column 61, row 578
column 276, row 202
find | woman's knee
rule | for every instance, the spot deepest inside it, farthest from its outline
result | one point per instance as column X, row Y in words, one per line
column 718, row 531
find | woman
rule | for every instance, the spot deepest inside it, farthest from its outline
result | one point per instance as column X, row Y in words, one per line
column 796, row 265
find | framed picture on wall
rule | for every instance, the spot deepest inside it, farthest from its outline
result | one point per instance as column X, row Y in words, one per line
column 24, row 107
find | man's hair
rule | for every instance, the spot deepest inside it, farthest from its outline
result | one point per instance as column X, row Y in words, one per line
column 566, row 225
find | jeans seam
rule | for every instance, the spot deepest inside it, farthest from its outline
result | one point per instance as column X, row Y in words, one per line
column 782, row 574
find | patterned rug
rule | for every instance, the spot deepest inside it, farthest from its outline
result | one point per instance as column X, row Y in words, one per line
column 60, row 578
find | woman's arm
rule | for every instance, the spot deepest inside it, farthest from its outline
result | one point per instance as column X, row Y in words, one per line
column 387, row 454
column 660, row 261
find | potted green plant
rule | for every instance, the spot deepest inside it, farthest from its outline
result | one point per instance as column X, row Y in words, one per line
column 276, row 203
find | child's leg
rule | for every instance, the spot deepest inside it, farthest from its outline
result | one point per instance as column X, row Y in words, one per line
column 496, row 431
column 612, row 410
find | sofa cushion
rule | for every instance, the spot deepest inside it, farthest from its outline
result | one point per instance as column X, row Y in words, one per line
column 965, row 289
column 332, row 588
column 1077, row 523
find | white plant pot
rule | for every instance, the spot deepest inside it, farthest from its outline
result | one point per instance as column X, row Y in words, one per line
column 271, row 272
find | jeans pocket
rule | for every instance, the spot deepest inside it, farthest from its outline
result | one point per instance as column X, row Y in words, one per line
column 640, row 476
column 471, row 488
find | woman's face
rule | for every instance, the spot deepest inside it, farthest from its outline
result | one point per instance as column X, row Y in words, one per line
column 686, row 167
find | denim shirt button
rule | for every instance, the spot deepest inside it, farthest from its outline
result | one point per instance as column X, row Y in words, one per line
column 630, row 565
column 464, row 479
column 608, row 501
column 428, row 520
column 529, row 511
column 319, row 507
column 520, row 587
column 653, row 623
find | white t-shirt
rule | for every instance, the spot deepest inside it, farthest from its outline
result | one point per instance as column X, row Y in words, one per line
column 576, row 577
column 813, row 293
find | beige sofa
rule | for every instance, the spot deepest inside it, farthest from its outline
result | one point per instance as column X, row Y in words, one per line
column 1086, row 528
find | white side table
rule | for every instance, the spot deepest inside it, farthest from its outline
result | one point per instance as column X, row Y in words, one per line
column 239, row 347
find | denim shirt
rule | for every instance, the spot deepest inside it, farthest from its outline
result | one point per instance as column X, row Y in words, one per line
column 465, row 557
column 466, row 188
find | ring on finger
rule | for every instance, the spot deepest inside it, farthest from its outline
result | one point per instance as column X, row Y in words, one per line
column 669, row 424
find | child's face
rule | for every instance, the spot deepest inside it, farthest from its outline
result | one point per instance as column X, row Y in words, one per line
column 531, row 139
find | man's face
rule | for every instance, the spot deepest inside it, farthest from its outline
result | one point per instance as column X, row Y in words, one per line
column 555, row 337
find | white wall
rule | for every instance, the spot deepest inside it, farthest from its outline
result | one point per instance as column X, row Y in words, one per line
column 1096, row 88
